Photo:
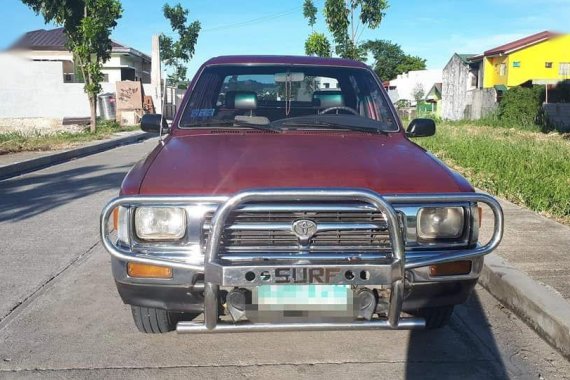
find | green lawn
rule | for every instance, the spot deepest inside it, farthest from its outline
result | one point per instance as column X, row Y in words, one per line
column 527, row 168
column 18, row 142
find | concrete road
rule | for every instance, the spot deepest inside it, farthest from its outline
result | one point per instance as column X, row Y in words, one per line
column 62, row 318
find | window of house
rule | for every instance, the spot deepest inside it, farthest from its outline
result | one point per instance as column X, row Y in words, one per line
column 548, row 65
column 472, row 83
column 502, row 69
column 105, row 78
column 564, row 69
column 517, row 64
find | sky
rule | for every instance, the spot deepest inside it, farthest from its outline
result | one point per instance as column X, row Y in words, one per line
column 433, row 29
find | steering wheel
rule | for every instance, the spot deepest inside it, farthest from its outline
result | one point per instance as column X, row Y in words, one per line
column 340, row 108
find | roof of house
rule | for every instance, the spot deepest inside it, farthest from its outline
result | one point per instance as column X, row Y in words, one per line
column 435, row 89
column 55, row 39
column 523, row 42
column 465, row 57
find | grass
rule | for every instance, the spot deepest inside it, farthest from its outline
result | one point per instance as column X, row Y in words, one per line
column 12, row 142
column 527, row 168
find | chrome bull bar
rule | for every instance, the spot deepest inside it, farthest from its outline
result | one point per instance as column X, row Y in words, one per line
column 217, row 274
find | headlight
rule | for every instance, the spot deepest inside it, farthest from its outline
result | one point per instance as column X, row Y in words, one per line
column 160, row 223
column 440, row 223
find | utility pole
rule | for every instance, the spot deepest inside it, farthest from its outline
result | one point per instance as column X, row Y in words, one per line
column 156, row 75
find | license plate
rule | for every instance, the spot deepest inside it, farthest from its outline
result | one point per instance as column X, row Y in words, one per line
column 303, row 297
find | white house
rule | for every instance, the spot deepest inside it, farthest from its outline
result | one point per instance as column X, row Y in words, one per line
column 406, row 85
column 125, row 63
column 38, row 78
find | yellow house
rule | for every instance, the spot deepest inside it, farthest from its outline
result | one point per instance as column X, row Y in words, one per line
column 543, row 58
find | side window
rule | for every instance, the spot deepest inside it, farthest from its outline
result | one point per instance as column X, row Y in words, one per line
column 564, row 69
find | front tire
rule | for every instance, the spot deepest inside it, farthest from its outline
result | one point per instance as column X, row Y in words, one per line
column 158, row 321
column 436, row 317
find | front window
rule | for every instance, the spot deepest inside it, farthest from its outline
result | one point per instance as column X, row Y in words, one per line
column 288, row 97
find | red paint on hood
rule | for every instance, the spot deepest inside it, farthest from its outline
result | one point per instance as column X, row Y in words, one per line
column 211, row 163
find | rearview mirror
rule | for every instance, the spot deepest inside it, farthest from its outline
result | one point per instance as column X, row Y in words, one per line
column 151, row 122
column 289, row 77
column 421, row 128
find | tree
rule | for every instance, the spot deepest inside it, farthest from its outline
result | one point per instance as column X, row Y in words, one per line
column 310, row 12
column 411, row 63
column 418, row 92
column 318, row 44
column 346, row 20
column 87, row 25
column 176, row 54
column 390, row 60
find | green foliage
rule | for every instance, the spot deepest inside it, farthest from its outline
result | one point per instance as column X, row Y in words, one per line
column 87, row 25
column 521, row 106
column 176, row 54
column 67, row 13
column 411, row 63
column 524, row 167
column 310, row 12
column 12, row 142
column 346, row 19
column 390, row 60
column 318, row 44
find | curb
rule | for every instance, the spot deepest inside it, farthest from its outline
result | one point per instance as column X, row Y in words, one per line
column 542, row 308
column 13, row 170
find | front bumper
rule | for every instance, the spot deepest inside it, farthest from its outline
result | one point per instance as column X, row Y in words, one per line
column 390, row 274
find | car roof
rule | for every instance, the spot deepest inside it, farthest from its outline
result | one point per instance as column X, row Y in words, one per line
column 282, row 59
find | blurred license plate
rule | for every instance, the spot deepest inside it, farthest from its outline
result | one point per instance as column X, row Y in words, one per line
column 303, row 297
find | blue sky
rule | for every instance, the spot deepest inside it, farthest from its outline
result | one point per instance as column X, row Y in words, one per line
column 431, row 29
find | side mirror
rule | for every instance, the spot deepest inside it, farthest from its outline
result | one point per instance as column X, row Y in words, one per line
column 421, row 128
column 151, row 122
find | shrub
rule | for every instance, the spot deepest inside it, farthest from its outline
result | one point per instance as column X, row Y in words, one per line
column 521, row 107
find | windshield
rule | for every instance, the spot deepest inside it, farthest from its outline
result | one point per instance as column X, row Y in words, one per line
column 283, row 94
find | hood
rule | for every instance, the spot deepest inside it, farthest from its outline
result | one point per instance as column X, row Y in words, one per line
column 218, row 163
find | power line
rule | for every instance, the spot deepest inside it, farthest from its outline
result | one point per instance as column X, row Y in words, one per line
column 254, row 20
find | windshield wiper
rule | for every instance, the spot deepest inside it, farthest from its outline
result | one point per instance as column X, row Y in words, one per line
column 337, row 126
column 232, row 123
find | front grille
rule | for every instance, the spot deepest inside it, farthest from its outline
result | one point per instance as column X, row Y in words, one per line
column 268, row 229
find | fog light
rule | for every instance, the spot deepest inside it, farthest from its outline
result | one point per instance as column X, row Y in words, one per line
column 148, row 271
column 366, row 303
column 235, row 303
column 455, row 268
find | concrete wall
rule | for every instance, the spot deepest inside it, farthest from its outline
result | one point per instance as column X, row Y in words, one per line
column 454, row 89
column 483, row 102
column 32, row 89
column 459, row 98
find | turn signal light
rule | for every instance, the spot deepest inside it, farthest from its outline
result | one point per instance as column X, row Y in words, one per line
column 450, row 269
column 148, row 271
column 116, row 219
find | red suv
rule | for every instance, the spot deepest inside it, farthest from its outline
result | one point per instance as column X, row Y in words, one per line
column 287, row 195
